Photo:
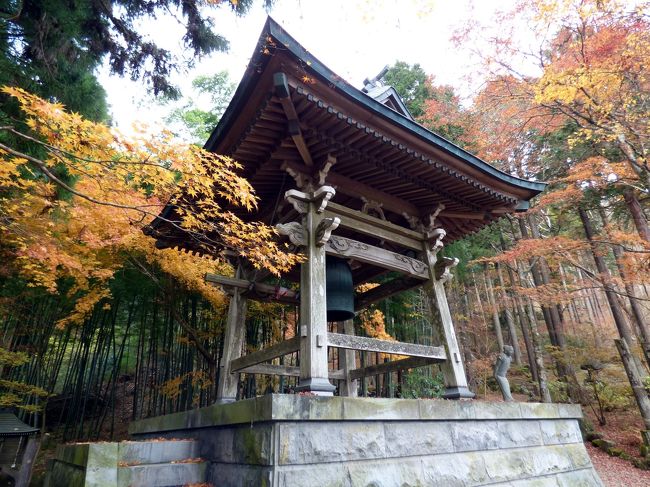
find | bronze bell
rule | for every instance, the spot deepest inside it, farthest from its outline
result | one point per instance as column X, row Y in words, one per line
column 339, row 289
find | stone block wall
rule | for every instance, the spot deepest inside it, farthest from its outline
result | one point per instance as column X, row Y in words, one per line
column 288, row 440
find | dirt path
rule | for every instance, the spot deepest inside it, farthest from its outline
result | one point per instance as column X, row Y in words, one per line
column 616, row 472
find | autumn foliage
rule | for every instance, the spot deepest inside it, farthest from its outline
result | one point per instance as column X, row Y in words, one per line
column 77, row 210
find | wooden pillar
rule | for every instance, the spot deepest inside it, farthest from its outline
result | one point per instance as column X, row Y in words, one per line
column 349, row 388
column 311, row 234
column 313, row 307
column 453, row 371
column 234, row 336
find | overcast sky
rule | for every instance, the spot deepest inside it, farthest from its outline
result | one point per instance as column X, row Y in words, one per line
column 354, row 38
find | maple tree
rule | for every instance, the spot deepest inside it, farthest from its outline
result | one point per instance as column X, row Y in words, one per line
column 55, row 208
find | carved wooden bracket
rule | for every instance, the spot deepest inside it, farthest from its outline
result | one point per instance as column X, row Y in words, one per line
column 321, row 196
column 433, row 216
column 325, row 229
column 416, row 223
column 443, row 268
column 295, row 231
column 374, row 206
column 324, row 169
column 306, row 178
column 434, row 237
column 303, row 181
column 300, row 199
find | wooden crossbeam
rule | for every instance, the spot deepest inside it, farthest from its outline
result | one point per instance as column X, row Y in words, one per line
column 402, row 283
column 393, row 366
column 374, row 227
column 285, row 370
column 362, row 252
column 293, row 124
column 255, row 290
column 266, row 354
column 384, row 346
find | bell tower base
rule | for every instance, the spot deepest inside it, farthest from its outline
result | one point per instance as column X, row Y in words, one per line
column 286, row 440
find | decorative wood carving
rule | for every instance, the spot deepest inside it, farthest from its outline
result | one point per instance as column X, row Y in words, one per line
column 416, row 223
column 324, row 230
column 301, row 199
column 370, row 254
column 324, row 170
column 434, row 215
column 435, row 237
column 443, row 268
column 321, row 196
column 303, row 181
column 418, row 266
column 374, row 206
column 296, row 232
column 298, row 199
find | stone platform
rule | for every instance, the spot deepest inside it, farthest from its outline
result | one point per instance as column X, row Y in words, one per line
column 292, row 440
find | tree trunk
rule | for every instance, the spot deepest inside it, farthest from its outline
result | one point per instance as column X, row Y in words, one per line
column 629, row 360
column 640, row 393
column 509, row 320
column 552, row 316
column 635, row 305
column 493, row 305
column 639, row 218
column 542, row 380
column 605, row 278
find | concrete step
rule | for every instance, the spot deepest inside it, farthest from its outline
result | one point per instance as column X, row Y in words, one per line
column 156, row 451
column 161, row 474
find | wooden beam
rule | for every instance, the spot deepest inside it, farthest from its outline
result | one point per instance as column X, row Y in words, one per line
column 285, row 370
column 255, row 290
column 462, row 215
column 266, row 354
column 374, row 227
column 281, row 87
column 384, row 346
column 390, row 288
column 392, row 366
column 369, row 254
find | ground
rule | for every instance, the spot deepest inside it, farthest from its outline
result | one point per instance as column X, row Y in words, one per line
column 622, row 428
column 616, row 472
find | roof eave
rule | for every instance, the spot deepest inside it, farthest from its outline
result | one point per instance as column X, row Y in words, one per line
column 281, row 37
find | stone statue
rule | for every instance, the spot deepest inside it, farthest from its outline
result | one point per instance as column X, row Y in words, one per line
column 501, row 369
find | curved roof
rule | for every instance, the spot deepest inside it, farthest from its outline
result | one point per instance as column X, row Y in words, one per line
column 291, row 115
column 272, row 33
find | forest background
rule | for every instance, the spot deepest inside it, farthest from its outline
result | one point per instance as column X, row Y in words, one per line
column 99, row 327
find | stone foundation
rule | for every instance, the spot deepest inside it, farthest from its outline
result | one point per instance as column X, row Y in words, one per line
column 291, row 440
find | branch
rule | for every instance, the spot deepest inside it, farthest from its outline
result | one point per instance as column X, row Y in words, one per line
column 43, row 167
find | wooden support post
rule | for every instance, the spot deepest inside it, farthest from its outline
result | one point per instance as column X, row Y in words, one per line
column 234, row 335
column 349, row 386
column 311, row 236
column 453, row 371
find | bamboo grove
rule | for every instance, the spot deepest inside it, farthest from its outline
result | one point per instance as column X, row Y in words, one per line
column 99, row 327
